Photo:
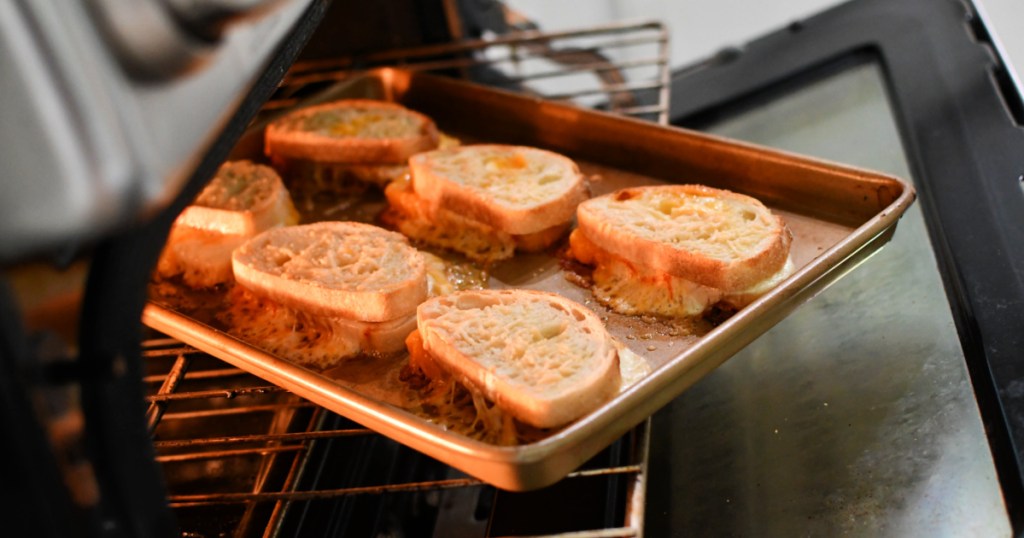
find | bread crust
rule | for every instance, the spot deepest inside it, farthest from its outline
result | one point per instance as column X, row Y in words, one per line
column 242, row 200
column 541, row 240
column 218, row 209
column 345, row 269
column 631, row 289
column 316, row 341
column 286, row 137
column 581, row 376
column 449, row 178
column 409, row 214
column 608, row 221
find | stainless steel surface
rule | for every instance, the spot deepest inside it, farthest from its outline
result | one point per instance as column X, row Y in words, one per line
column 855, row 415
column 838, row 216
column 86, row 146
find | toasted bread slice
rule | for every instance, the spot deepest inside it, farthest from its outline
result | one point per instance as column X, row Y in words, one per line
column 351, row 131
column 712, row 237
column 410, row 215
column 202, row 259
column 321, row 342
column 344, row 269
column 514, row 189
column 407, row 214
column 632, row 289
column 316, row 341
column 538, row 356
column 241, row 200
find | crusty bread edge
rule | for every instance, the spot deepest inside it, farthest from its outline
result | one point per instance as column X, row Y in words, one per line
column 656, row 256
column 276, row 210
column 407, row 211
column 441, row 192
column 598, row 387
column 541, row 240
column 288, row 143
column 388, row 303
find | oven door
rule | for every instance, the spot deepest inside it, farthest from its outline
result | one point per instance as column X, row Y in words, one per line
column 110, row 110
column 890, row 404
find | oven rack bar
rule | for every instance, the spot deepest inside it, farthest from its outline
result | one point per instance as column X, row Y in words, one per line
column 233, row 498
column 296, row 436
column 403, row 56
column 227, row 412
column 623, row 67
column 179, row 375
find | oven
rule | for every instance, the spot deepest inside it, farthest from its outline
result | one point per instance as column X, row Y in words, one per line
column 887, row 405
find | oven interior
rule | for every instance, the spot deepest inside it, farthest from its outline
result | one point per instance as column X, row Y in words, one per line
column 240, row 457
column 284, row 466
column 908, row 429
column 244, row 458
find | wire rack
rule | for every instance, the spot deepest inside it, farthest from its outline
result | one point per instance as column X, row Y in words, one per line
column 245, row 458
column 623, row 68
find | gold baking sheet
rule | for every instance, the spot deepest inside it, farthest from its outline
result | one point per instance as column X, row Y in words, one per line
column 839, row 216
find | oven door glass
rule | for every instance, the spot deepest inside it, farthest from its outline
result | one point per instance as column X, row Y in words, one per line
column 878, row 408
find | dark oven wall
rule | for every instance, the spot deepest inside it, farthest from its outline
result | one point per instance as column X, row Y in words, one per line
column 75, row 462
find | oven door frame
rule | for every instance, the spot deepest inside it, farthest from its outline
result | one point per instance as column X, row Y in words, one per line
column 114, row 451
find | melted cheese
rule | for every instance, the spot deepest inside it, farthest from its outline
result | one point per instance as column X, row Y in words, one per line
column 445, row 229
column 632, row 367
column 442, row 399
column 633, row 290
column 517, row 177
column 360, row 122
column 318, row 342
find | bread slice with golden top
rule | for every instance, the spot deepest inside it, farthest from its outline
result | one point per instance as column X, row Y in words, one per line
column 713, row 237
column 344, row 269
column 351, row 131
column 540, row 357
column 315, row 341
column 242, row 200
column 516, row 189
column 632, row 289
column 677, row 250
column 486, row 201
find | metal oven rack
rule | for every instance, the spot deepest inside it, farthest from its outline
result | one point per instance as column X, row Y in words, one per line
column 244, row 458
column 623, row 68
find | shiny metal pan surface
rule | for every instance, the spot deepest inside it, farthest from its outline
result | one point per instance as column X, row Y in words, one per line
column 839, row 216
